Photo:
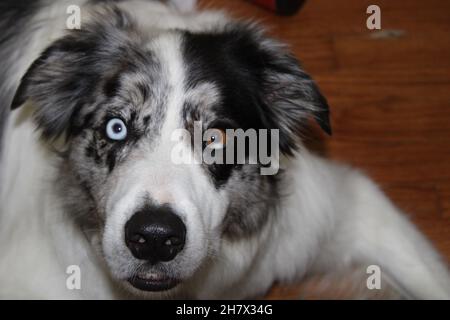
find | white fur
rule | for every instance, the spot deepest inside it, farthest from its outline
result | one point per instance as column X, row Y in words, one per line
column 333, row 217
column 152, row 173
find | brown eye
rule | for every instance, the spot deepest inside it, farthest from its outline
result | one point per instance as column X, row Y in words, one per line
column 216, row 138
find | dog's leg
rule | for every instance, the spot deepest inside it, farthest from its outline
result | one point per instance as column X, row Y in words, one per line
column 372, row 231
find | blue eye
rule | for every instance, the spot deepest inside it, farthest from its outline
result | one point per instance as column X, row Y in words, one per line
column 116, row 129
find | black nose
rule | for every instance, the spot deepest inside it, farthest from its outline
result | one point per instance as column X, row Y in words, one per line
column 155, row 234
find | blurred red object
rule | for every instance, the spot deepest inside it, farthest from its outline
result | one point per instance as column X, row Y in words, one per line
column 282, row 7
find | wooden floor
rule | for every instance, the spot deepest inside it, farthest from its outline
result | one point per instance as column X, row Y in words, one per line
column 389, row 93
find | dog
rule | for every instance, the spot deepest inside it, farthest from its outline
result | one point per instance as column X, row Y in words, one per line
column 88, row 179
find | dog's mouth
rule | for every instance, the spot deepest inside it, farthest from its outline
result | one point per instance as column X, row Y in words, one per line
column 153, row 282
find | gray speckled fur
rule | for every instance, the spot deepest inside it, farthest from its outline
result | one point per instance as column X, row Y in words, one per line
column 14, row 24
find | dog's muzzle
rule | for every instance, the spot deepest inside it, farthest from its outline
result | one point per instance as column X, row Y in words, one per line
column 154, row 234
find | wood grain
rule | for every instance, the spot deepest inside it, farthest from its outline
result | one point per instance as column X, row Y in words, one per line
column 389, row 95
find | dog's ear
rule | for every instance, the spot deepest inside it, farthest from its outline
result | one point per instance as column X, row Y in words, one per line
column 288, row 95
column 56, row 83
column 62, row 78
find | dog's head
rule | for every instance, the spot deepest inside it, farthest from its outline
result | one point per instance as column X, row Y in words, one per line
column 117, row 95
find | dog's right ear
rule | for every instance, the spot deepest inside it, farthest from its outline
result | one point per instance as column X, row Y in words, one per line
column 54, row 85
column 61, row 79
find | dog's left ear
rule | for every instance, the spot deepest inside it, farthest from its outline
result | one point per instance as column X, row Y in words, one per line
column 289, row 95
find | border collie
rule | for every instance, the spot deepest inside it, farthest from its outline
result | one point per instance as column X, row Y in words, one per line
column 88, row 178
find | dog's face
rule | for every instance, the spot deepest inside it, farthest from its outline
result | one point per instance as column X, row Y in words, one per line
column 118, row 94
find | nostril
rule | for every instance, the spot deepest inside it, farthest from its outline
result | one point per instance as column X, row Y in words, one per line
column 141, row 240
column 173, row 241
column 137, row 238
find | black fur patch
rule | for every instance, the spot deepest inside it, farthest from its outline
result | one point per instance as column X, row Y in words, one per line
column 261, row 86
